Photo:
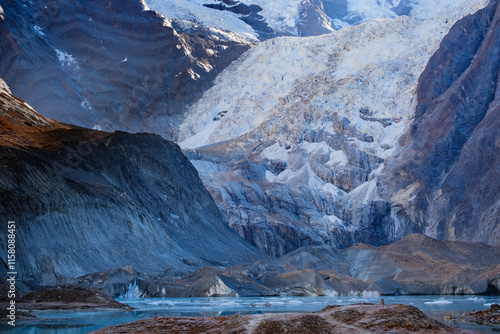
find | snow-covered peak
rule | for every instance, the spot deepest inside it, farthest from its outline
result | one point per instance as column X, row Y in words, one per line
column 196, row 12
column 259, row 19
column 280, row 15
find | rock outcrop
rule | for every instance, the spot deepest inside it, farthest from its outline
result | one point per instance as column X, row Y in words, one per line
column 88, row 201
column 489, row 317
column 68, row 298
column 414, row 265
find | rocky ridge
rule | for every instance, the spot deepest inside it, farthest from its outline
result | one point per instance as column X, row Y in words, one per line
column 446, row 177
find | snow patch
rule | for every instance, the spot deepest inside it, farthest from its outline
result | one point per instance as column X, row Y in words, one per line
column 38, row 30
column 220, row 289
column 270, row 176
column 4, row 86
column 275, row 152
column 206, row 167
column 369, row 9
column 332, row 189
column 365, row 193
column 66, row 59
column 86, row 104
column 194, row 11
column 201, row 138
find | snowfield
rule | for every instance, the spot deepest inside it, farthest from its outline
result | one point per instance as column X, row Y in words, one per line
column 365, row 75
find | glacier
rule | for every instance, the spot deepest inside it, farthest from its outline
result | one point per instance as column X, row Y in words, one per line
column 303, row 126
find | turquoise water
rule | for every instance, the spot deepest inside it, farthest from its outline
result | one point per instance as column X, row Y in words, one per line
column 86, row 321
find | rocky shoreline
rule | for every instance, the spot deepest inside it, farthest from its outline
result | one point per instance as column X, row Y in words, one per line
column 489, row 317
column 64, row 297
column 356, row 318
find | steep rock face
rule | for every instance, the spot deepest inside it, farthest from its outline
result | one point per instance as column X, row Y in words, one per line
column 293, row 154
column 87, row 201
column 446, row 178
column 110, row 65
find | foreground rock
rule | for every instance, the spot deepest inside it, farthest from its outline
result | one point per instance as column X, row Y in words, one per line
column 490, row 317
column 361, row 318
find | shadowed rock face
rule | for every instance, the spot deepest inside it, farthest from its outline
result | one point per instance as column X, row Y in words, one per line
column 446, row 178
column 110, row 64
column 86, row 201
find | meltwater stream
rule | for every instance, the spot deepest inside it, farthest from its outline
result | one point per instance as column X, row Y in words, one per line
column 87, row 321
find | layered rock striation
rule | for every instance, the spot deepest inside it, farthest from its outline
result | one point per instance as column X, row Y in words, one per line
column 87, row 201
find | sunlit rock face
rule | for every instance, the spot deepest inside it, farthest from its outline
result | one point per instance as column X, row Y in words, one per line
column 111, row 65
column 295, row 154
column 87, row 201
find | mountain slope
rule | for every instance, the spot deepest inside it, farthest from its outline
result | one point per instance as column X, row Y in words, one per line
column 293, row 152
column 110, row 65
column 448, row 173
column 87, row 201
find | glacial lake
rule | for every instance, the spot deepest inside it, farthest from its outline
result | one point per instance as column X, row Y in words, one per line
column 86, row 321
